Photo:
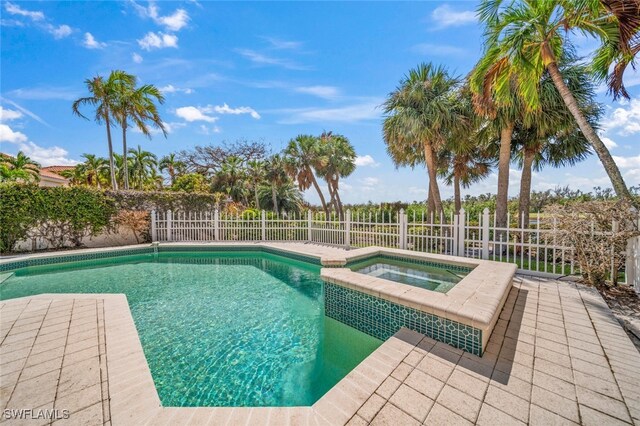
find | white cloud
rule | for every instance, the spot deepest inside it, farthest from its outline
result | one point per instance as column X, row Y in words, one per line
column 346, row 114
column 437, row 49
column 191, row 113
column 609, row 143
column 370, row 181
column 174, row 22
column 225, row 109
column 170, row 88
column 24, row 111
column 209, row 130
column 627, row 162
column 624, row 120
column 44, row 156
column 280, row 44
column 444, row 16
column 326, row 92
column 262, row 59
column 137, row 58
column 158, row 41
column 8, row 135
column 366, row 160
column 61, row 31
column 9, row 114
column 91, row 43
column 46, row 93
column 14, row 9
column 54, row 156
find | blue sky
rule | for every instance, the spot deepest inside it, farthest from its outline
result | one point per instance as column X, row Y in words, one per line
column 260, row 71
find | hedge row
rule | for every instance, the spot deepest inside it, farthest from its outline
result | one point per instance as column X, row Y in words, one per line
column 66, row 215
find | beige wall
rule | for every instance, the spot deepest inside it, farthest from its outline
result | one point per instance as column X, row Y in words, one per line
column 122, row 237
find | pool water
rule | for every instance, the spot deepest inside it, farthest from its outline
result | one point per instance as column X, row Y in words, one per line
column 219, row 329
column 435, row 278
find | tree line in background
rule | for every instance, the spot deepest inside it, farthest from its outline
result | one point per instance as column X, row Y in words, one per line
column 528, row 100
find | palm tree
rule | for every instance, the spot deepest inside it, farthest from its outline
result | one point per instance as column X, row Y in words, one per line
column 302, row 156
column 143, row 164
column 526, row 38
column 230, row 178
column 287, row 196
column 500, row 103
column 419, row 112
column 92, row 168
column 20, row 167
column 255, row 172
column 103, row 98
column 339, row 161
column 136, row 104
column 276, row 176
column 554, row 138
column 173, row 166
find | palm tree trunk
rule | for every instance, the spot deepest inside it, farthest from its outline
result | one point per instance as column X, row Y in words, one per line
column 525, row 187
column 338, row 202
column 504, row 159
column 431, row 168
column 112, row 170
column 431, row 207
column 456, row 193
column 274, row 198
column 172, row 175
column 125, row 166
column 599, row 147
column 502, row 197
column 317, row 187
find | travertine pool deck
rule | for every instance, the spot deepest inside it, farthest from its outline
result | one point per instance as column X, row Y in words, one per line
column 557, row 356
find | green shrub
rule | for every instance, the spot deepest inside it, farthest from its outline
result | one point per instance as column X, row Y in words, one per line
column 60, row 215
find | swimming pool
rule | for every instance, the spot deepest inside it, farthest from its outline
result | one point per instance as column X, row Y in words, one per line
column 430, row 276
column 219, row 329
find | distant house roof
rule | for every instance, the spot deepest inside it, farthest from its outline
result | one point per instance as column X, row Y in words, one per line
column 57, row 169
column 44, row 173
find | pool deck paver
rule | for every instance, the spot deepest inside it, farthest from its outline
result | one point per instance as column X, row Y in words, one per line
column 557, row 356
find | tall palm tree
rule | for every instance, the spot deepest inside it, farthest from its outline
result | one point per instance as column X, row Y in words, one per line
column 339, row 161
column 136, row 105
column 276, row 176
column 302, row 156
column 419, row 112
column 527, row 37
column 143, row 164
column 172, row 165
column 255, row 173
column 554, row 138
column 103, row 98
column 20, row 167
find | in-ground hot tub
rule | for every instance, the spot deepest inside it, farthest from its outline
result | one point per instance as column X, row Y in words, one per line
column 438, row 277
column 461, row 314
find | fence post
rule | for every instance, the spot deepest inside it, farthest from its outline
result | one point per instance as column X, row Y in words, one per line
column 347, row 229
column 309, row 221
column 456, row 228
column 402, row 229
column 264, row 225
column 485, row 234
column 461, row 232
column 154, row 233
column 169, row 236
column 216, row 225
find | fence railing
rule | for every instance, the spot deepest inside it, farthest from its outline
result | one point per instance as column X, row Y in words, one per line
column 533, row 248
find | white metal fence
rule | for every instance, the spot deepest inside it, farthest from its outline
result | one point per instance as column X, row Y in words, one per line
column 533, row 248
